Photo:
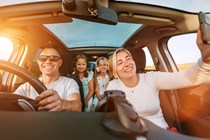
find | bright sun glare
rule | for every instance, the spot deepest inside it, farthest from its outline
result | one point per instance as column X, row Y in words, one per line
column 6, row 48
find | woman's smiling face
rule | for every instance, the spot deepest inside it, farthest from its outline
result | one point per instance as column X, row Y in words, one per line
column 125, row 65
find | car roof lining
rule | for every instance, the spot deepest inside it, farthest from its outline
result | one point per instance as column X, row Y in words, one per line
column 142, row 13
column 162, row 19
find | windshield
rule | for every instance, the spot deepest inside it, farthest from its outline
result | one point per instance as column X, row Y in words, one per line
column 14, row 2
column 185, row 5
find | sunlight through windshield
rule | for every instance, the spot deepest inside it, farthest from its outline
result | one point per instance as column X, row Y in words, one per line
column 6, row 48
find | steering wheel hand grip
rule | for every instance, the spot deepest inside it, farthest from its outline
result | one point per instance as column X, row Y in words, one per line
column 26, row 106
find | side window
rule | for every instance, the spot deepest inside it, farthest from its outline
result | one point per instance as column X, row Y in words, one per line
column 184, row 50
column 91, row 66
column 12, row 51
column 6, row 48
column 149, row 61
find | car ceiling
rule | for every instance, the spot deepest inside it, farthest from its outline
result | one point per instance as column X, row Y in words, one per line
column 158, row 22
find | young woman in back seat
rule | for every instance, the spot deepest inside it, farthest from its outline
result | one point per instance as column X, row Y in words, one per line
column 142, row 89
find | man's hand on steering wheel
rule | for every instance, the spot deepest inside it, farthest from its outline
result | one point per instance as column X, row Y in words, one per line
column 49, row 100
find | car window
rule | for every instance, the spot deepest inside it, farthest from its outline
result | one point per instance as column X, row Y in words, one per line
column 6, row 48
column 149, row 61
column 184, row 50
column 83, row 33
column 91, row 65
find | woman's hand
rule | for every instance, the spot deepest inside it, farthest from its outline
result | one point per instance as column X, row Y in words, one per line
column 204, row 48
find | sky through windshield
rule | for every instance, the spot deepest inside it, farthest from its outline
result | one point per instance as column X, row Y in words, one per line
column 186, row 5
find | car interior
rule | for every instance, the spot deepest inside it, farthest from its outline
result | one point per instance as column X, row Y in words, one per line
column 26, row 25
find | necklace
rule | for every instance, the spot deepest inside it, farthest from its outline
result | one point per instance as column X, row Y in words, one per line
column 104, row 81
column 132, row 90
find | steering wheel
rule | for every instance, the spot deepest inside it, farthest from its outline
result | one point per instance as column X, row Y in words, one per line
column 14, row 102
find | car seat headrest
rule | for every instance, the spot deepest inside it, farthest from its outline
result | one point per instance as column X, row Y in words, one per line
column 139, row 58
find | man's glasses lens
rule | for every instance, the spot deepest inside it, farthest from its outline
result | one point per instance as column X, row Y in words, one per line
column 52, row 58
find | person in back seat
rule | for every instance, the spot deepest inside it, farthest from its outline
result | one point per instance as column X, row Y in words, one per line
column 142, row 89
column 62, row 93
column 102, row 77
column 86, row 77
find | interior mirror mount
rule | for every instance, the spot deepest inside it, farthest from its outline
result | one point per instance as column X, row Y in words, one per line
column 91, row 10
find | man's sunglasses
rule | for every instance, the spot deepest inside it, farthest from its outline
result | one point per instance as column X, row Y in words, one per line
column 52, row 58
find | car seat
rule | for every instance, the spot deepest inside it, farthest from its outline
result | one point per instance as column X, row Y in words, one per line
column 35, row 69
column 194, row 110
column 79, row 82
column 140, row 59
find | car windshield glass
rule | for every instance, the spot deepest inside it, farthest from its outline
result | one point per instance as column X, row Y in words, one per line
column 81, row 33
column 14, row 2
column 185, row 5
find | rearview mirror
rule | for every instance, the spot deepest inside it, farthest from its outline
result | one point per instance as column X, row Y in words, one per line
column 204, row 21
column 90, row 10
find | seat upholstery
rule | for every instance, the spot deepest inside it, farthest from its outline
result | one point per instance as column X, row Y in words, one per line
column 140, row 59
column 35, row 69
column 79, row 82
column 194, row 110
